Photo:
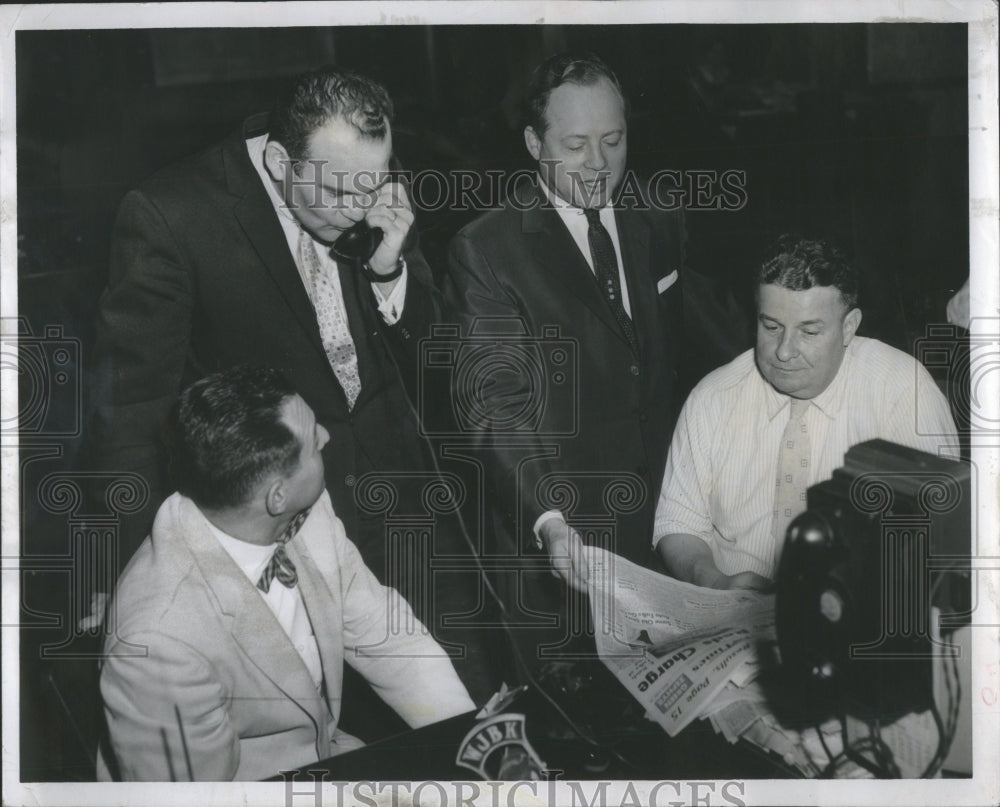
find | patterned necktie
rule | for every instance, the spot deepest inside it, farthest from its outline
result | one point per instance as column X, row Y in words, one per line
column 280, row 566
column 792, row 477
column 331, row 315
column 602, row 251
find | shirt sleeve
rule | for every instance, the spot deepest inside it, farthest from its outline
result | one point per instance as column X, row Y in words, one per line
column 920, row 416
column 536, row 528
column 683, row 506
column 393, row 650
column 391, row 307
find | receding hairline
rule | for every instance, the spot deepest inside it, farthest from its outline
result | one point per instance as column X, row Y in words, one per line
column 575, row 82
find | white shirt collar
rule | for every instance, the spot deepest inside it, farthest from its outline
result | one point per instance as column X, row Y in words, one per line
column 829, row 401
column 251, row 558
column 255, row 148
column 565, row 208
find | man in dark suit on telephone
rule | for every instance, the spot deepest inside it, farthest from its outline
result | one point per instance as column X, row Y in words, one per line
column 226, row 258
column 603, row 276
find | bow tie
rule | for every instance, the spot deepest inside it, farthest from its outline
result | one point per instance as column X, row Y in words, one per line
column 280, row 566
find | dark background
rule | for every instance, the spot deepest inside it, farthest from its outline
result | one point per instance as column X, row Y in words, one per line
column 853, row 132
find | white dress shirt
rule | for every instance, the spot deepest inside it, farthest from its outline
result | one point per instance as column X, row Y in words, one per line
column 391, row 307
column 719, row 480
column 576, row 222
column 285, row 603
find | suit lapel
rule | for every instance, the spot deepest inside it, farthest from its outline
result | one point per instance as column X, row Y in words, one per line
column 634, row 238
column 551, row 244
column 324, row 614
column 256, row 216
column 554, row 249
column 252, row 624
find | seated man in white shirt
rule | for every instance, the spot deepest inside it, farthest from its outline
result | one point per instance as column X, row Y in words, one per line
column 757, row 432
column 230, row 626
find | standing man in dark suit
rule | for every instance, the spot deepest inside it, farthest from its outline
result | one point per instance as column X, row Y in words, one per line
column 225, row 258
column 603, row 278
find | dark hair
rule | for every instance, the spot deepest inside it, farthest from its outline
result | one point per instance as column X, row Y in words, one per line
column 798, row 264
column 573, row 68
column 315, row 97
column 227, row 435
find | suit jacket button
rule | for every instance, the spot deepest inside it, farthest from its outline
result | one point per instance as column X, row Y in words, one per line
column 634, row 369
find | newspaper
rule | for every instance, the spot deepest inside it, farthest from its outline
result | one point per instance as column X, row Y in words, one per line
column 674, row 646
column 686, row 652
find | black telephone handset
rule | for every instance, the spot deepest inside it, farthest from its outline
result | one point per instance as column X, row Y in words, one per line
column 356, row 245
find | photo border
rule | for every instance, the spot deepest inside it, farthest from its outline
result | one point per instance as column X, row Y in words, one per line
column 984, row 236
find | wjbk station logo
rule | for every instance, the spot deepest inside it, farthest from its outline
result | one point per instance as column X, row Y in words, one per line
column 498, row 749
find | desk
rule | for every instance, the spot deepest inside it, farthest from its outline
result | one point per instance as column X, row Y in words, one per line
column 631, row 747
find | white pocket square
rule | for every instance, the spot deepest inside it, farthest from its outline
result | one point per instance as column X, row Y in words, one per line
column 666, row 282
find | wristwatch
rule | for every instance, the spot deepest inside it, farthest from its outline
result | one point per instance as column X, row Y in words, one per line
column 375, row 277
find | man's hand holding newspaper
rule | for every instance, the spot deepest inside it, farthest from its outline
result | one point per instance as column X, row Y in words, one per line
column 674, row 645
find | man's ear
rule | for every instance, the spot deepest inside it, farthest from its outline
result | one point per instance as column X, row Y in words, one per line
column 533, row 143
column 276, row 161
column 276, row 498
column 851, row 322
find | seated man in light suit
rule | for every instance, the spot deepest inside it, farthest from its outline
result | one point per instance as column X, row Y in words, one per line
column 230, row 626
column 757, row 432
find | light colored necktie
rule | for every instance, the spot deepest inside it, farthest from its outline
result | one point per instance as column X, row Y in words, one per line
column 792, row 474
column 331, row 315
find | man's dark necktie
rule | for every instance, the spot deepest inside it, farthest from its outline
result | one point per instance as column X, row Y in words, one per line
column 602, row 251
column 280, row 566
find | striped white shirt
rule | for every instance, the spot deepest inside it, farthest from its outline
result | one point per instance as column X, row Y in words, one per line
column 719, row 479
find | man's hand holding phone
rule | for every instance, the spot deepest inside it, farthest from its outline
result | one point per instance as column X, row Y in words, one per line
column 393, row 215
